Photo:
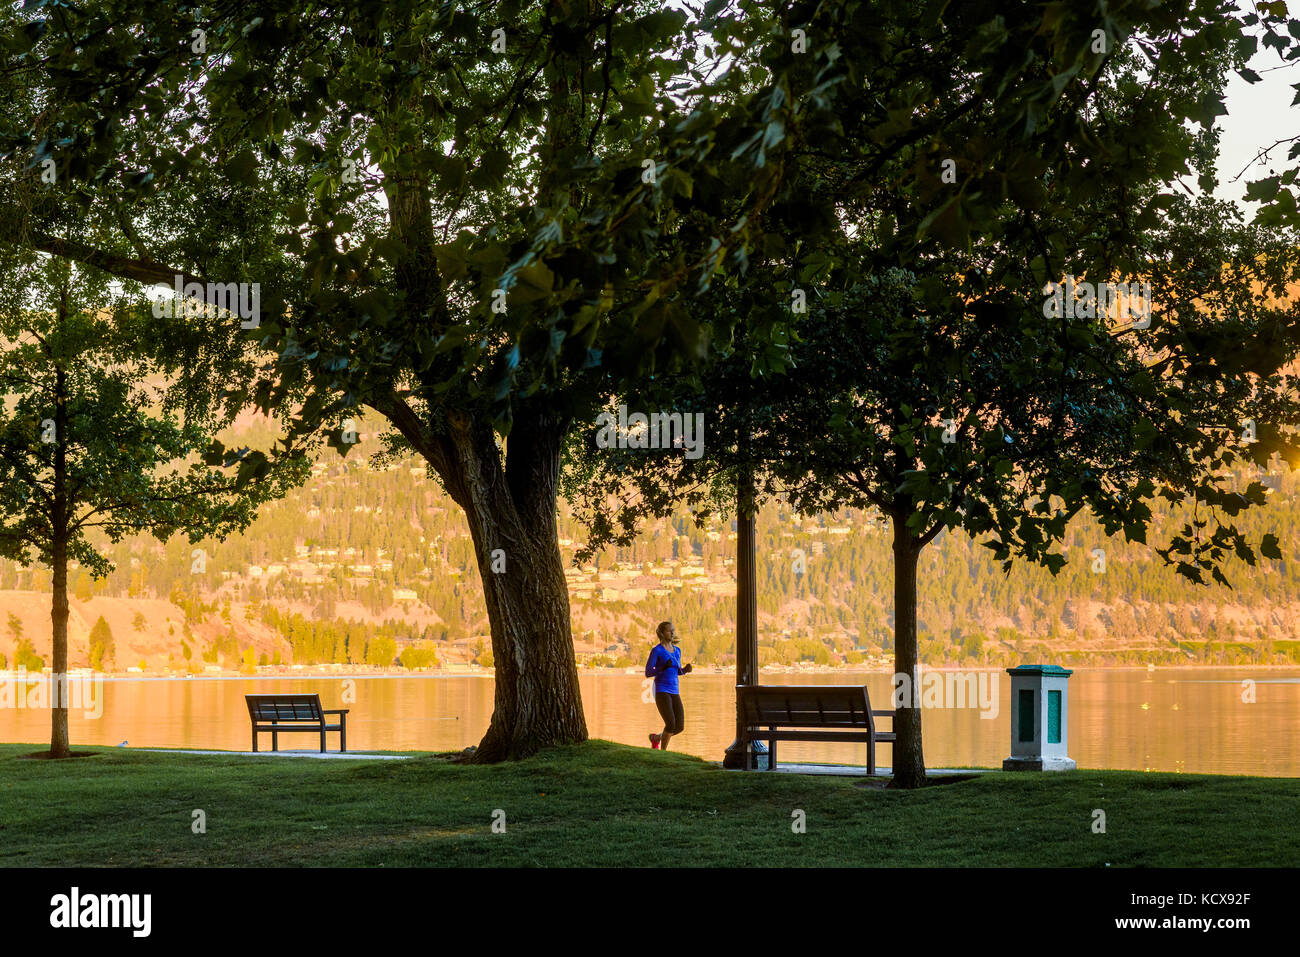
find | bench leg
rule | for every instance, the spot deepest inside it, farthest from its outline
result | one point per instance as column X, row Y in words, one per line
column 871, row 757
column 322, row 739
column 771, row 752
column 254, row 739
column 343, row 732
column 275, row 740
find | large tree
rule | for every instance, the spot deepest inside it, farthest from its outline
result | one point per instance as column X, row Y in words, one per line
column 468, row 201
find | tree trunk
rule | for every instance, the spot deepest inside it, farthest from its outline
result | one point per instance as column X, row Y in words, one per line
column 59, row 747
column 536, row 702
column 511, row 509
column 59, row 566
column 512, row 518
column 909, row 761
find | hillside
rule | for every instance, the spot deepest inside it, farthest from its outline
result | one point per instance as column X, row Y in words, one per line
column 367, row 564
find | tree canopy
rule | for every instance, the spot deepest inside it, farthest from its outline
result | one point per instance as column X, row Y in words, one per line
column 934, row 380
column 481, row 220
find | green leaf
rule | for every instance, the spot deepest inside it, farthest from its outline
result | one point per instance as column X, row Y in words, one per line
column 1268, row 547
column 242, row 167
column 1263, row 190
column 535, row 281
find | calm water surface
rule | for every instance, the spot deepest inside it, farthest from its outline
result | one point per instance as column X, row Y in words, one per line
column 1191, row 720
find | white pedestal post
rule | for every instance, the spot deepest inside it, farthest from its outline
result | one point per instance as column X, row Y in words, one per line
column 1039, row 719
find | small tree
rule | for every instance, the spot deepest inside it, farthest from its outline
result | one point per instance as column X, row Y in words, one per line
column 419, row 656
column 381, row 651
column 101, row 645
column 100, row 436
column 25, row 656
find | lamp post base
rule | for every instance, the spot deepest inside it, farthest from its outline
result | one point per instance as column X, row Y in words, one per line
column 735, row 756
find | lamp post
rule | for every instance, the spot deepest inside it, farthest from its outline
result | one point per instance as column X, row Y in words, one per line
column 746, row 615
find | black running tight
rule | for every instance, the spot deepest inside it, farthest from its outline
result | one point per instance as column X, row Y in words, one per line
column 670, row 708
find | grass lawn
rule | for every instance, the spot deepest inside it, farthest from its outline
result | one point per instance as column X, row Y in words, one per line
column 603, row 804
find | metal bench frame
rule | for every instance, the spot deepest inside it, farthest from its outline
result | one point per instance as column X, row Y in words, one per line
column 775, row 713
column 269, row 712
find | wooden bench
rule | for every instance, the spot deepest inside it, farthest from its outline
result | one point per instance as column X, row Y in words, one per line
column 278, row 713
column 775, row 713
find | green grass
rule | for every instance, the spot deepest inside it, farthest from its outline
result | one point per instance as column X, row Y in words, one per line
column 603, row 804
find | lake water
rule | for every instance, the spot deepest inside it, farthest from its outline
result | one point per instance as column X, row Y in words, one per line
column 1192, row 720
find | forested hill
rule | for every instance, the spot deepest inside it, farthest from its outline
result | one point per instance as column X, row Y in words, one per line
column 374, row 565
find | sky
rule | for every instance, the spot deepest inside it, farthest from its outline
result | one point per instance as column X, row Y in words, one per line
column 1258, row 115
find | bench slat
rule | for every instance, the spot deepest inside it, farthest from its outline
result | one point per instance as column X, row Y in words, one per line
column 285, row 707
column 313, row 728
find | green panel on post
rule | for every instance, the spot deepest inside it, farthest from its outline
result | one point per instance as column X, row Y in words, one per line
column 1026, row 714
column 1054, row 717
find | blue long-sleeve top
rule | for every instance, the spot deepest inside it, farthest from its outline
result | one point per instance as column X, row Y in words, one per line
column 664, row 667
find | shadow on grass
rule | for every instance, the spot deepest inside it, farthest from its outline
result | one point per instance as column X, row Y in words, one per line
column 887, row 784
column 46, row 756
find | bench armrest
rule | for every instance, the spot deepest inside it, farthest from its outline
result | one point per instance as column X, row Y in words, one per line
column 335, row 710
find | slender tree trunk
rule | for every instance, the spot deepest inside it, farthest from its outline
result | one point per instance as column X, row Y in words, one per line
column 59, row 747
column 909, row 761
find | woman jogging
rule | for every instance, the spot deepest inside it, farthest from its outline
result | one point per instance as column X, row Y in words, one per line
column 664, row 665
